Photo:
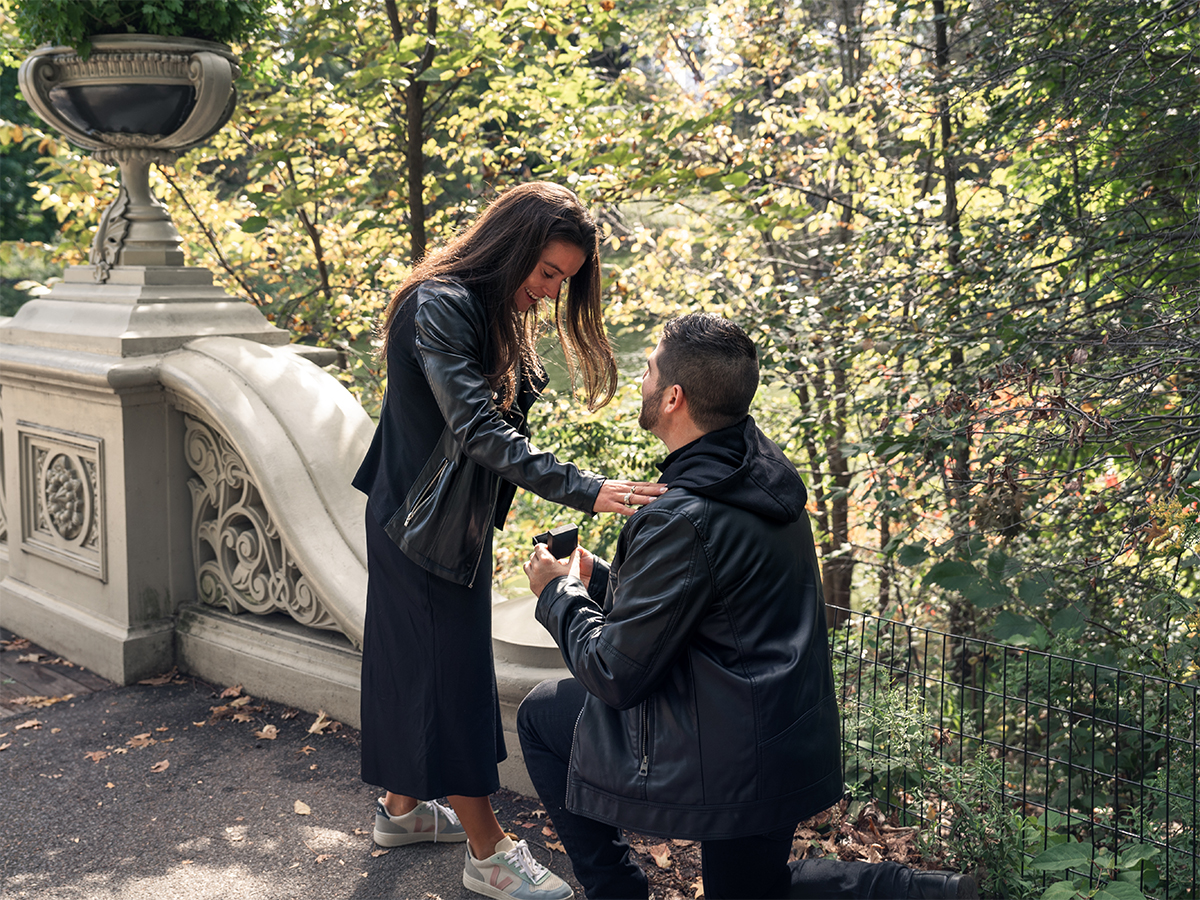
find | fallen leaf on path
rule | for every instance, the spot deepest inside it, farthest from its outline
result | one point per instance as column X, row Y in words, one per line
column 548, row 831
column 661, row 854
column 110, row 785
column 538, row 813
column 231, row 691
column 697, row 889
column 97, row 755
column 302, row 808
column 556, row 845
column 220, row 712
column 321, row 857
column 239, row 702
column 269, row 733
column 323, row 723
column 361, row 831
column 15, row 644
column 307, row 750
column 289, row 713
column 160, row 766
column 30, row 657
column 242, row 718
column 40, row 702
column 138, row 741
column 529, row 824
column 5, row 745
column 159, row 680
column 380, row 852
column 31, row 723
column 59, row 661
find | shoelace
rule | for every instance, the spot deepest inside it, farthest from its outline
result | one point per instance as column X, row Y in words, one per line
column 520, row 857
column 438, row 812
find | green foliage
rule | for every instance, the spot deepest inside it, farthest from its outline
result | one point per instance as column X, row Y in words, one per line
column 72, row 22
column 1102, row 874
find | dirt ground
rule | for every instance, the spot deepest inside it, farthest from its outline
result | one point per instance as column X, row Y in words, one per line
column 848, row 831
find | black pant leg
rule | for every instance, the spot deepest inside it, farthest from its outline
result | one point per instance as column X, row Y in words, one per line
column 748, row 868
column 599, row 854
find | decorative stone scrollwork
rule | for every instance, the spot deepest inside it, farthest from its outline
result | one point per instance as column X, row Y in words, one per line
column 242, row 562
column 62, row 498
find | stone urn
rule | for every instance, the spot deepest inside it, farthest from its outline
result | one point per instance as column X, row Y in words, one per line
column 136, row 100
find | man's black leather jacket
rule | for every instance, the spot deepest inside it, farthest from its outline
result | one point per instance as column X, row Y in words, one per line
column 445, row 461
column 711, row 711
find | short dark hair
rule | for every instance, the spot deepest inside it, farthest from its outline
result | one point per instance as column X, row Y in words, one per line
column 715, row 363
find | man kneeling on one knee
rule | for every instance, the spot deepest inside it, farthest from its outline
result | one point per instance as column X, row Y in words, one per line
column 702, row 704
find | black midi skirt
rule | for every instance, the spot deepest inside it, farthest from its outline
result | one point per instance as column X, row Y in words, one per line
column 430, row 712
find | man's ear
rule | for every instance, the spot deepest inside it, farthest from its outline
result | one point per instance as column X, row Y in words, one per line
column 674, row 400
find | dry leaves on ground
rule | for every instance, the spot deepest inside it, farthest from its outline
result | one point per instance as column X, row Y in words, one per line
column 39, row 702
column 160, row 680
column 160, row 766
column 301, row 808
column 324, row 724
column 29, row 723
column 96, row 755
column 269, row 733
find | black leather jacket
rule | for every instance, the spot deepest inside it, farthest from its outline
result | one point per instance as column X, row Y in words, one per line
column 445, row 461
column 711, row 711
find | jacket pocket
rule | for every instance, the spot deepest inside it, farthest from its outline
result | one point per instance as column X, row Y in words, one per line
column 426, row 494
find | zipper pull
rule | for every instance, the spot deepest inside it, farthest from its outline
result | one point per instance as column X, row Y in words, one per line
column 645, row 769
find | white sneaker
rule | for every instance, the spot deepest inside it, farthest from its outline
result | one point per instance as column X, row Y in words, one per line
column 430, row 821
column 512, row 872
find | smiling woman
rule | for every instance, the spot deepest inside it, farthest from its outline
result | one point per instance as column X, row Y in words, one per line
column 451, row 448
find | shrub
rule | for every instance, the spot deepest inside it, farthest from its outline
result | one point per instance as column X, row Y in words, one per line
column 71, row 22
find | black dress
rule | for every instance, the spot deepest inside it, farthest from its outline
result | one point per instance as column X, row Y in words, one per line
column 431, row 715
column 430, row 712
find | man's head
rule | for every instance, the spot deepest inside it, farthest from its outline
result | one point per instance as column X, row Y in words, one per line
column 706, row 360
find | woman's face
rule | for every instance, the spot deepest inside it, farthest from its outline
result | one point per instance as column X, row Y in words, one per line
column 559, row 261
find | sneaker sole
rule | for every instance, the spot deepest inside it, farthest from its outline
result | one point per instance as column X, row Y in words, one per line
column 482, row 887
column 386, row 839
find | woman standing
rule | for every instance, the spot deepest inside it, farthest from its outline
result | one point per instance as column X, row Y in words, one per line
column 449, row 452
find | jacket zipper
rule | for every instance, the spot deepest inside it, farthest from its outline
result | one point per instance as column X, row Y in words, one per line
column 645, row 768
column 491, row 515
column 426, row 494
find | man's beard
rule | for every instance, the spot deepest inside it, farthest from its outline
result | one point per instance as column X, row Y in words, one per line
column 649, row 416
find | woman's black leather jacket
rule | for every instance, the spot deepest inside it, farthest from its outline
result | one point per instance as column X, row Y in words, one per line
column 445, row 460
column 711, row 712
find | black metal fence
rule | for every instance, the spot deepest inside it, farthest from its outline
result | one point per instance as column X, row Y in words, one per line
column 1090, row 757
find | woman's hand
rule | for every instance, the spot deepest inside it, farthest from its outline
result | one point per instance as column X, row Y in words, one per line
column 627, row 497
column 542, row 568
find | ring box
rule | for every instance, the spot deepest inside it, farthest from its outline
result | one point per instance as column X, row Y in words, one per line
column 561, row 541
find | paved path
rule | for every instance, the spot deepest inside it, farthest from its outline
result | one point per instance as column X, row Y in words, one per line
column 171, row 790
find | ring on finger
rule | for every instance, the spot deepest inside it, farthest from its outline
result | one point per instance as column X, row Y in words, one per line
column 628, row 501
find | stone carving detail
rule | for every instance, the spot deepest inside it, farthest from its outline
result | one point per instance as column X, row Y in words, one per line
column 242, row 562
column 62, row 499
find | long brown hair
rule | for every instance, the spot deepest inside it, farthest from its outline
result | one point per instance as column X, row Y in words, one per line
column 494, row 256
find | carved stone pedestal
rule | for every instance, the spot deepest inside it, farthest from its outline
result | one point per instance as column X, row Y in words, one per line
column 96, row 503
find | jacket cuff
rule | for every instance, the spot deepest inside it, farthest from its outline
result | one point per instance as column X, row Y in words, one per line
column 598, row 584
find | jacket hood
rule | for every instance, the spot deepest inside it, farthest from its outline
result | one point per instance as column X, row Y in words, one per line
column 741, row 466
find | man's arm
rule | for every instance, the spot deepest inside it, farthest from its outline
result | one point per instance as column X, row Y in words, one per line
column 663, row 588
